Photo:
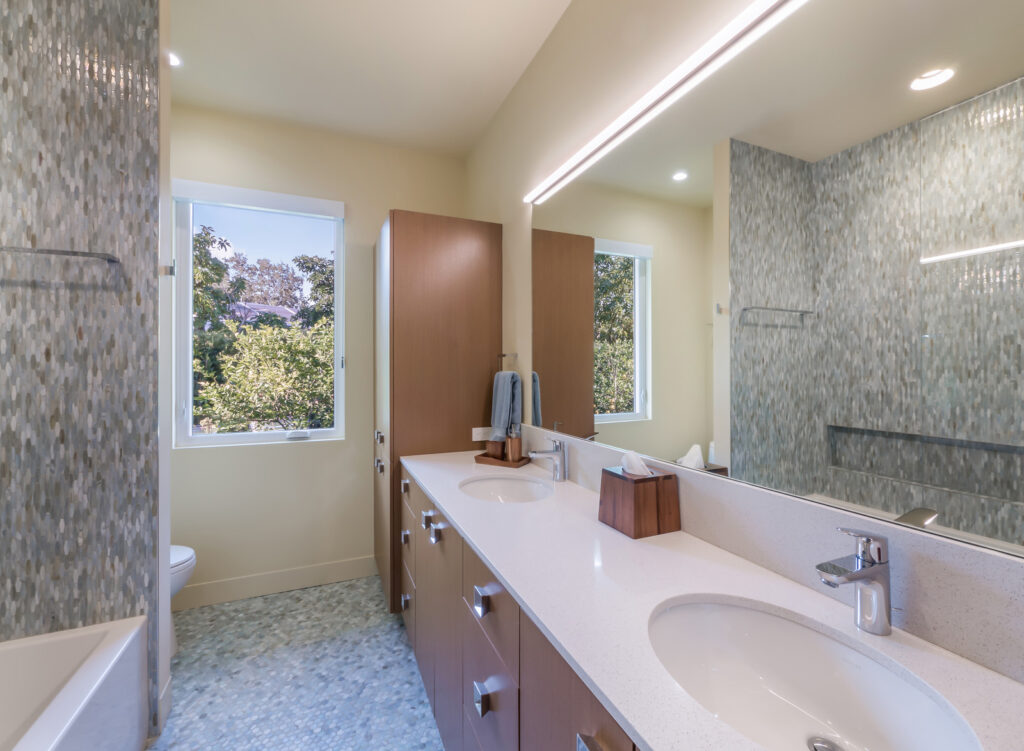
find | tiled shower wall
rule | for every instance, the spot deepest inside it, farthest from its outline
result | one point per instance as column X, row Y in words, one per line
column 904, row 388
column 78, row 369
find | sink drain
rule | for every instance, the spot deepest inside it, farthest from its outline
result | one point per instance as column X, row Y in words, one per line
column 822, row 744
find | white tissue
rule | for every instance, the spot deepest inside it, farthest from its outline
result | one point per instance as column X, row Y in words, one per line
column 694, row 458
column 632, row 463
column 711, row 453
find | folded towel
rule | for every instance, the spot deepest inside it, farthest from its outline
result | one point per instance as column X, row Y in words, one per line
column 536, row 401
column 506, row 403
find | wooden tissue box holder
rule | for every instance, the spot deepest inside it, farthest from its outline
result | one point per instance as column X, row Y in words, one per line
column 638, row 505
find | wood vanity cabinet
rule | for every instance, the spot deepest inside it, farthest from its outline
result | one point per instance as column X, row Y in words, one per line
column 436, row 556
column 437, row 338
column 555, row 704
column 494, row 680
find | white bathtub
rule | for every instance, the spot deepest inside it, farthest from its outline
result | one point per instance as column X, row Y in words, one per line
column 78, row 690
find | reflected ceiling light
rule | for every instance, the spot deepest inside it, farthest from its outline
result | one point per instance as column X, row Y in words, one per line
column 680, row 176
column 173, row 60
column 931, row 79
column 974, row 252
column 742, row 31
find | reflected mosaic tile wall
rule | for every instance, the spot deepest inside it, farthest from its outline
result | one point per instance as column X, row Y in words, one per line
column 78, row 420
column 927, row 351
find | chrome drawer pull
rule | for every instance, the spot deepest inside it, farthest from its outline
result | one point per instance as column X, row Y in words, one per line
column 435, row 534
column 425, row 517
column 481, row 698
column 406, row 599
column 404, row 486
column 481, row 602
column 378, row 464
column 587, row 743
column 405, row 536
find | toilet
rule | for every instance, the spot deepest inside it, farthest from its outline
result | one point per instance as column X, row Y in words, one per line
column 183, row 561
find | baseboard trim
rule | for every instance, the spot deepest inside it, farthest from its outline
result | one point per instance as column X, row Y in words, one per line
column 271, row 582
column 163, row 707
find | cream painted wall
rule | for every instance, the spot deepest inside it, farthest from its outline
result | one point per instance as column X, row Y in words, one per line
column 680, row 306
column 273, row 517
column 721, row 343
column 599, row 59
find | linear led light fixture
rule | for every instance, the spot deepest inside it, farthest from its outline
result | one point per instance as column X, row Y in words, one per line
column 742, row 31
column 974, row 252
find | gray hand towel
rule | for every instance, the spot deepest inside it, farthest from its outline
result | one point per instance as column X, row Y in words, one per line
column 537, row 420
column 506, row 403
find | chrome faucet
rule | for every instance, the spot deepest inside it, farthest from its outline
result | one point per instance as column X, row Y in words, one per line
column 559, row 456
column 868, row 569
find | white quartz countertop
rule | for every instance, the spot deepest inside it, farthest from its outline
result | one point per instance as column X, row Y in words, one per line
column 592, row 591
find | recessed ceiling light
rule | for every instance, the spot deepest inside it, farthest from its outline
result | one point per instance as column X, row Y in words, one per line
column 174, row 60
column 680, row 176
column 931, row 79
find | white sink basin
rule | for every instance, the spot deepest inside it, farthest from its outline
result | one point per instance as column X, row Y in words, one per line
column 506, row 488
column 782, row 683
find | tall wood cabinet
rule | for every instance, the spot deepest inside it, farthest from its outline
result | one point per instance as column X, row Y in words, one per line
column 563, row 331
column 437, row 322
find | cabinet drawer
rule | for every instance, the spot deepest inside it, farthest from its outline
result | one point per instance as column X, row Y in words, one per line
column 556, row 704
column 490, row 696
column 407, row 538
column 413, row 495
column 408, row 606
column 493, row 608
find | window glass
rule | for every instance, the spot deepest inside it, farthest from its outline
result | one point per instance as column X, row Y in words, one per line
column 263, row 344
column 615, row 374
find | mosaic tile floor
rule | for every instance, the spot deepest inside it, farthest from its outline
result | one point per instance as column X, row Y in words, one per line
column 325, row 668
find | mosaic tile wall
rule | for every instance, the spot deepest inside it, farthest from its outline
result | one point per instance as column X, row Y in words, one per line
column 925, row 351
column 78, row 337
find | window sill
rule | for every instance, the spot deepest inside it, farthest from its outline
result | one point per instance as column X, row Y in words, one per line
column 612, row 419
column 255, row 439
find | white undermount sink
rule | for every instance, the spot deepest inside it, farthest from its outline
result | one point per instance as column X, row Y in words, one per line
column 787, row 686
column 506, row 488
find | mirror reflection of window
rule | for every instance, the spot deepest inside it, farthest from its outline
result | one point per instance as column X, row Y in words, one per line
column 622, row 316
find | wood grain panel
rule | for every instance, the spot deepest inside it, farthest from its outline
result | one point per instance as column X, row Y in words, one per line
column 409, row 608
column 446, row 610
column 501, row 621
column 498, row 728
column 563, row 329
column 407, row 537
column 444, row 318
column 555, row 704
column 469, row 740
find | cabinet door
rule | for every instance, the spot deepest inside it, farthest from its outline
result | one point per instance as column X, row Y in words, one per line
column 555, row 705
column 407, row 537
column 426, row 565
column 438, row 645
column 446, row 609
column 490, row 695
column 563, row 347
column 407, row 604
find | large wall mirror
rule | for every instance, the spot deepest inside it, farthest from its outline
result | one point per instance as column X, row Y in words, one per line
column 812, row 267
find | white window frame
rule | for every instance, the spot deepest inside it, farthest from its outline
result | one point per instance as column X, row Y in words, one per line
column 641, row 326
column 185, row 194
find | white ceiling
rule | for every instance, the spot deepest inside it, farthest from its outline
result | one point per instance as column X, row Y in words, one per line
column 833, row 75
column 426, row 74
